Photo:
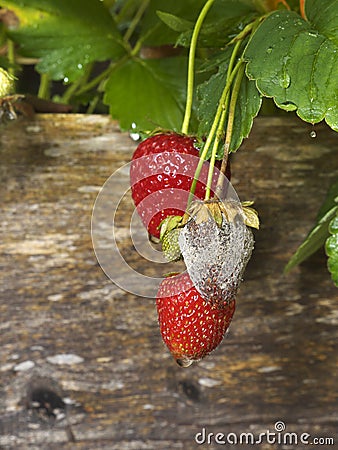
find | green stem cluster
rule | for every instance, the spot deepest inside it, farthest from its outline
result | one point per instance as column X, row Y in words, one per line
column 230, row 124
column 221, row 115
column 226, row 109
column 214, row 133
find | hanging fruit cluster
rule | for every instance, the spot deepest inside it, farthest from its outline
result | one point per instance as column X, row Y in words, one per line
column 188, row 203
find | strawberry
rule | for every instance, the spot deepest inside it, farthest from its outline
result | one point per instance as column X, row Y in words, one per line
column 190, row 326
column 170, row 247
column 216, row 244
column 162, row 170
column 169, row 237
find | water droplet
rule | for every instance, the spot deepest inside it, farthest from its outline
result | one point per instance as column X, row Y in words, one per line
column 184, row 362
column 79, row 66
column 135, row 136
column 66, row 79
column 285, row 82
column 313, row 134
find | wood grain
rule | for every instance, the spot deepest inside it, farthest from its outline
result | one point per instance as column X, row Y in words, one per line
column 119, row 388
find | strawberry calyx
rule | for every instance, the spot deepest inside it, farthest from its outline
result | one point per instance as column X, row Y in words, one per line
column 218, row 210
column 169, row 224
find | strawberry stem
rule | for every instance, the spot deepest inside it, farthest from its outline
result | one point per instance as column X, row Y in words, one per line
column 216, row 130
column 231, row 117
column 191, row 65
column 211, row 136
column 44, row 87
column 219, row 132
column 11, row 56
column 302, row 9
column 135, row 21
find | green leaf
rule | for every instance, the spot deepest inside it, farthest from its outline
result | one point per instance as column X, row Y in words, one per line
column 247, row 106
column 326, row 223
column 323, row 15
column 295, row 62
column 156, row 32
column 174, row 22
column 208, row 95
column 331, row 248
column 65, row 35
column 315, row 240
column 223, row 22
column 330, row 200
column 147, row 93
column 218, row 32
column 223, row 16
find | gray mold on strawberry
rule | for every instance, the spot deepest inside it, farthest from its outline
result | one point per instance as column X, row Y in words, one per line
column 216, row 251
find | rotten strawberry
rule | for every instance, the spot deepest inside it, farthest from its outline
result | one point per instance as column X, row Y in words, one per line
column 216, row 244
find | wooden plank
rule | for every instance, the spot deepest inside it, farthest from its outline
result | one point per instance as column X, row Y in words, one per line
column 122, row 388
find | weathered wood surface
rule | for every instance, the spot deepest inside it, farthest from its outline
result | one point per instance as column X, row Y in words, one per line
column 279, row 361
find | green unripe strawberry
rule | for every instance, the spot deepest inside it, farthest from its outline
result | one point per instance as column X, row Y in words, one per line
column 170, row 245
column 169, row 237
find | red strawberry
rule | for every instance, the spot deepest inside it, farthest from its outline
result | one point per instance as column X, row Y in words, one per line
column 161, row 173
column 190, row 326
